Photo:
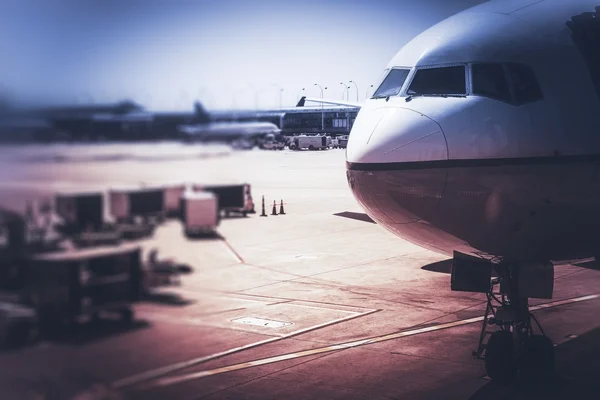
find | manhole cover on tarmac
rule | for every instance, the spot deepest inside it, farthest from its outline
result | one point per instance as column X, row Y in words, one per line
column 267, row 323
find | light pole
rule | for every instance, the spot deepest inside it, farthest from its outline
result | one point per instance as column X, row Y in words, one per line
column 346, row 89
column 320, row 87
column 322, row 112
column 356, row 86
column 367, row 92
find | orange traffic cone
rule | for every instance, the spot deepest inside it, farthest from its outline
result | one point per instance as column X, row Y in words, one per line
column 274, row 212
column 264, row 213
column 281, row 211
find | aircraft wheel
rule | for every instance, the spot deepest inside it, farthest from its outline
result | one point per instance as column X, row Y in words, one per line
column 537, row 359
column 499, row 361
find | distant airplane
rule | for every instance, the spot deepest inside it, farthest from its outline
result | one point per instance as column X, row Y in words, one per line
column 482, row 141
column 225, row 131
column 127, row 120
column 228, row 131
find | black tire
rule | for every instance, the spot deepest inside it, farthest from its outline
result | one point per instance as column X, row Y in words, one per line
column 311, row 147
column 500, row 363
column 537, row 358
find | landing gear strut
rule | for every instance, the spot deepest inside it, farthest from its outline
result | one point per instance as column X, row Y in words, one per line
column 513, row 350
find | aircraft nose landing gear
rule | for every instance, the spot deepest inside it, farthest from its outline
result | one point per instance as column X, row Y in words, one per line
column 512, row 350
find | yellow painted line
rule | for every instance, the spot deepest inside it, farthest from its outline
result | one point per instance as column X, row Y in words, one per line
column 152, row 374
column 342, row 346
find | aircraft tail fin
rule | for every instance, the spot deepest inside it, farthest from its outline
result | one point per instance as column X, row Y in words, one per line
column 301, row 102
column 201, row 113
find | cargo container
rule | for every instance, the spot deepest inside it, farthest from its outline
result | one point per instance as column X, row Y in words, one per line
column 199, row 212
column 233, row 198
column 80, row 211
column 127, row 203
column 63, row 286
column 172, row 196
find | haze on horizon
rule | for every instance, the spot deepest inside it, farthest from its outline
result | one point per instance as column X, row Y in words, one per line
column 228, row 54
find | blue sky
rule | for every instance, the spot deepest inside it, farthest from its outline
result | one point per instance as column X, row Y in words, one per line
column 228, row 53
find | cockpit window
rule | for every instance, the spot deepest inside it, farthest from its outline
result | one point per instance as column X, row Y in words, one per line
column 392, row 83
column 489, row 80
column 439, row 81
column 524, row 83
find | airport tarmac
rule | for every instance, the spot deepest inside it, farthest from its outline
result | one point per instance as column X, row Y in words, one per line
column 319, row 303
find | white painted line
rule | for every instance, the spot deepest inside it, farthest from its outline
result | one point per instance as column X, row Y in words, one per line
column 152, row 374
column 200, row 290
column 563, row 302
column 342, row 346
column 268, row 299
column 203, row 322
column 320, row 308
column 268, row 323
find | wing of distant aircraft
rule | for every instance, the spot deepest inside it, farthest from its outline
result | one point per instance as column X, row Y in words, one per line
column 304, row 99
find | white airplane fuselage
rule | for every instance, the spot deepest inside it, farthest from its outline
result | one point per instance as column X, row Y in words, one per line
column 514, row 179
column 228, row 130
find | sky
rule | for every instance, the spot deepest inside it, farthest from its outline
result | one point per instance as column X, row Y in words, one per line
column 229, row 54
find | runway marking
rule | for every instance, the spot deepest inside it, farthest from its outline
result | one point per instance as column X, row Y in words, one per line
column 271, row 301
column 156, row 373
column 343, row 346
column 269, row 323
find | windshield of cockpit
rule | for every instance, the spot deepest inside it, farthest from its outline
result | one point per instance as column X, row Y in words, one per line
column 439, row 81
column 392, row 84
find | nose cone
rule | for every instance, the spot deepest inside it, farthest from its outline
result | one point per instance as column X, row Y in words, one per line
column 389, row 166
column 395, row 135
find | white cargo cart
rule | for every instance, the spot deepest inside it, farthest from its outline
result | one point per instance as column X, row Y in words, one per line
column 199, row 212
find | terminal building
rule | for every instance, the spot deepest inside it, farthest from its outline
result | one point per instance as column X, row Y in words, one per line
column 298, row 120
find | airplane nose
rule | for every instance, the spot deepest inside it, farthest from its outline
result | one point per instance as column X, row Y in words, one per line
column 395, row 135
column 389, row 165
